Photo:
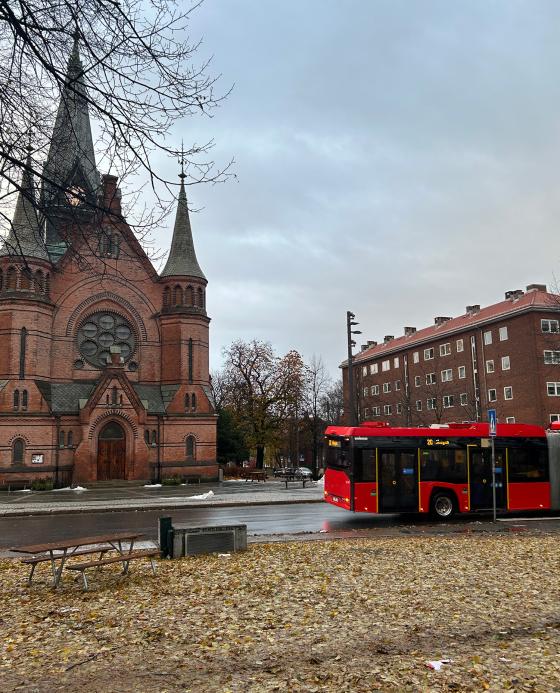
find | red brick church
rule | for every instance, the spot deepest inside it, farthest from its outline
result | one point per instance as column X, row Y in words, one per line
column 103, row 361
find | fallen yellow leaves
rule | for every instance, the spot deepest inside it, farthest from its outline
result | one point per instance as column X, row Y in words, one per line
column 360, row 615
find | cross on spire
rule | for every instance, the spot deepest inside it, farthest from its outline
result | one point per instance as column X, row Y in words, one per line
column 182, row 175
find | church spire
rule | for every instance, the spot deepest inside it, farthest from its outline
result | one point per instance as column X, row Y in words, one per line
column 26, row 237
column 71, row 159
column 182, row 257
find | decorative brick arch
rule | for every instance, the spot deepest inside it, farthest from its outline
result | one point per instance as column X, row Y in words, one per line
column 78, row 312
column 115, row 414
column 19, row 435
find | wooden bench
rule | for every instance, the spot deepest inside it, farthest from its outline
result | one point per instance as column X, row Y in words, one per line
column 124, row 559
column 33, row 562
column 256, row 475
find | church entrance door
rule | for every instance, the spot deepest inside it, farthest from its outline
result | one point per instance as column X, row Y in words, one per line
column 111, row 453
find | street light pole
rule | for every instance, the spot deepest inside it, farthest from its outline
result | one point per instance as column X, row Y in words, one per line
column 351, row 343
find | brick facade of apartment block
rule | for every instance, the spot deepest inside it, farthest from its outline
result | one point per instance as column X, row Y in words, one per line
column 505, row 356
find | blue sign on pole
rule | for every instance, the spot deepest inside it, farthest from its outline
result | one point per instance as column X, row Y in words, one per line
column 492, row 420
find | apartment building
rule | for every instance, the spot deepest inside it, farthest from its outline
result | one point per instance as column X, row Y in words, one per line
column 505, row 356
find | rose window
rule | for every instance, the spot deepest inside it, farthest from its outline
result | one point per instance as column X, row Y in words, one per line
column 99, row 333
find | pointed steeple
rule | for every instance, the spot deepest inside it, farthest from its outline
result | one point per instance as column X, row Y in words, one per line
column 26, row 236
column 71, row 158
column 182, row 257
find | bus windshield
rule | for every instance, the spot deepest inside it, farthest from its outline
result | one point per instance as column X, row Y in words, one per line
column 338, row 453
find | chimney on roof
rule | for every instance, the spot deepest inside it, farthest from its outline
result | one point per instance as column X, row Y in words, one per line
column 474, row 309
column 363, row 347
column 536, row 287
column 371, row 343
column 387, row 338
column 408, row 331
column 513, row 295
column 440, row 320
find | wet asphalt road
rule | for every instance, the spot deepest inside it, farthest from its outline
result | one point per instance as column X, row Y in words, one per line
column 260, row 520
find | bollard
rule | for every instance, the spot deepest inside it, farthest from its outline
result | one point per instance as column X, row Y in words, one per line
column 165, row 537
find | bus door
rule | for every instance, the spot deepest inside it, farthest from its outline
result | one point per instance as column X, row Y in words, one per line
column 480, row 476
column 398, row 482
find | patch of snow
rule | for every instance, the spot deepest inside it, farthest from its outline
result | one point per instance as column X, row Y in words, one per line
column 202, row 496
column 24, row 490
column 152, row 485
column 437, row 664
column 321, row 482
column 224, row 555
column 79, row 489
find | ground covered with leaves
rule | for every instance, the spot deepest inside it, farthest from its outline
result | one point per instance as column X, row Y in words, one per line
column 345, row 615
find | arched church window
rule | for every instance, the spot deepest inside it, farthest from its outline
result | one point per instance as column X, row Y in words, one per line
column 24, row 399
column 147, row 436
column 25, row 278
column 61, row 439
column 16, row 399
column 47, row 284
column 114, row 393
column 154, row 437
column 187, row 401
column 39, row 282
column 11, row 279
column 70, row 439
column 18, row 450
column 193, row 402
column 177, row 296
column 189, row 296
column 166, row 296
column 200, row 300
column 191, row 448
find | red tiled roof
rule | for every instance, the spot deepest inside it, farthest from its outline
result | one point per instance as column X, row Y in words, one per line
column 507, row 308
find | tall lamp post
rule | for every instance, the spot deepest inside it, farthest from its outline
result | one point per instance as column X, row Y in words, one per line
column 350, row 322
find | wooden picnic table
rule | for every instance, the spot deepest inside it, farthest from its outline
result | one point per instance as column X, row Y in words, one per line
column 58, row 552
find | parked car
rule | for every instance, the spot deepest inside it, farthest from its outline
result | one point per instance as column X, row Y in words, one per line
column 304, row 471
column 284, row 471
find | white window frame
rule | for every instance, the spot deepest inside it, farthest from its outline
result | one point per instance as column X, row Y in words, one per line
column 397, row 385
column 553, row 418
column 366, row 413
column 366, row 391
column 396, row 362
column 387, row 409
column 490, row 366
column 445, row 349
column 429, row 354
column 551, row 357
column 506, row 388
column 503, row 333
column 418, row 405
column 492, row 394
column 552, row 326
column 510, row 419
column 416, row 357
column 386, row 387
column 447, row 375
column 553, row 386
column 431, row 379
column 399, row 408
column 464, row 399
column 376, row 411
column 448, row 401
column 487, row 337
column 373, row 368
column 506, row 363
column 375, row 389
column 417, row 380
column 462, row 372
column 431, row 403
column 364, row 371
column 460, row 346
column 386, row 365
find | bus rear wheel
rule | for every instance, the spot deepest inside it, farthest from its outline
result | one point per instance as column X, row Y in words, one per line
column 443, row 506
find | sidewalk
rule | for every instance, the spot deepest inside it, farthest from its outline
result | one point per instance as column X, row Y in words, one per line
column 139, row 497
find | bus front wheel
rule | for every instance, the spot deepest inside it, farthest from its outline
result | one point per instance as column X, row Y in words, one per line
column 443, row 506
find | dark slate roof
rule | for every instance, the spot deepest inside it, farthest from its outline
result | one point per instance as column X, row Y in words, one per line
column 26, row 236
column 182, row 257
column 158, row 397
column 71, row 155
column 65, row 397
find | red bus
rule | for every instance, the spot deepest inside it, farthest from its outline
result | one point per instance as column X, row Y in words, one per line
column 442, row 469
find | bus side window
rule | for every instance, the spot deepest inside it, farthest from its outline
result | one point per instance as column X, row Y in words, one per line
column 364, row 465
column 527, row 465
column 444, row 465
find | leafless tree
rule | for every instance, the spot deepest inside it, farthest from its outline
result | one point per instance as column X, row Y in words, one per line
column 137, row 77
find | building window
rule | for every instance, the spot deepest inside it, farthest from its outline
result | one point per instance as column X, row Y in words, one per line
column 373, row 369
column 510, row 419
column 70, row 439
column 445, row 349
column 490, row 366
column 375, row 389
column 431, row 403
column 554, row 418
column 191, row 448
column 386, row 365
column 506, row 364
column 61, row 439
column 147, row 436
column 553, row 389
column 508, row 392
column 376, row 411
column 464, row 399
column 399, row 408
column 387, row 409
column 447, row 375
column 416, row 356
column 417, row 380
column 503, row 332
column 550, row 326
column 462, row 371
column 366, row 391
column 397, row 385
column 18, row 450
column 430, row 378
column 459, row 345
column 364, row 371
column 447, row 401
column 386, row 387
column 366, row 412
column 396, row 362
column 154, row 437
column 488, row 337
column 24, row 399
column 552, row 357
column 428, row 354
column 418, row 405
column 16, row 399
column 492, row 395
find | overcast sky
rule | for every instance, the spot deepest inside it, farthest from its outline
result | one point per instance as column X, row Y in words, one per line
column 397, row 158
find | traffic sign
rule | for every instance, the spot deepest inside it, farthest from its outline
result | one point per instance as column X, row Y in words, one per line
column 493, row 421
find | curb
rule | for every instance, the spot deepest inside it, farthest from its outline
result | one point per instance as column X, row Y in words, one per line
column 23, row 512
